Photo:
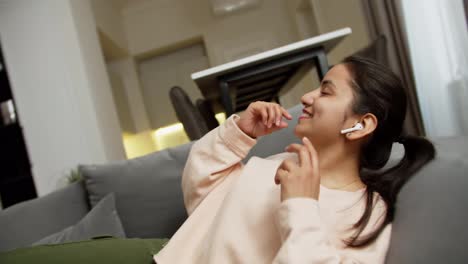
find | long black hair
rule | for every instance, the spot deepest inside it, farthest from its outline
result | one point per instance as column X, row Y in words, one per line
column 379, row 91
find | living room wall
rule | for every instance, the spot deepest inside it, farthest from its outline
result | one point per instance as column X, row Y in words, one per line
column 60, row 86
column 153, row 26
column 108, row 19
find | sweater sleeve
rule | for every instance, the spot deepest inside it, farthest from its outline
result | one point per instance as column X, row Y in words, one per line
column 304, row 239
column 213, row 157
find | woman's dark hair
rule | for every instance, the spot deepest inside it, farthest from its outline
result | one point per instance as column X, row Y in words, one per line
column 379, row 91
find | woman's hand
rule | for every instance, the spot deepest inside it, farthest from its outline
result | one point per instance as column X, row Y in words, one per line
column 303, row 179
column 262, row 118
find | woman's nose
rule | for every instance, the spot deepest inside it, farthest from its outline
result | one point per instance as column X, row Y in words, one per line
column 307, row 99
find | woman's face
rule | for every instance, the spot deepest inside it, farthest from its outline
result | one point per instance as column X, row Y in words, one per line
column 327, row 110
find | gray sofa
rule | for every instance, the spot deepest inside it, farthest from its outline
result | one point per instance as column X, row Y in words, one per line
column 429, row 225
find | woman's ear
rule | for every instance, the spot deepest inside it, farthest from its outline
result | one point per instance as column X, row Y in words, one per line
column 369, row 122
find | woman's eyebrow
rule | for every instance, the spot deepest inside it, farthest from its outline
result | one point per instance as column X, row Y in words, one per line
column 329, row 82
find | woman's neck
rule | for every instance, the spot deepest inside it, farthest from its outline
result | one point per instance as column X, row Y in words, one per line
column 339, row 169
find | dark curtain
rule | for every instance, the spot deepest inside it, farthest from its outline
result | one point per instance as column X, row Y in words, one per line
column 465, row 3
column 384, row 17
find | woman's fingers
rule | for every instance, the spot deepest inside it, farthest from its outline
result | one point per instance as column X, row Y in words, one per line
column 313, row 154
column 272, row 114
column 279, row 112
column 302, row 180
column 264, row 113
column 278, row 115
column 302, row 152
column 280, row 174
column 286, row 114
column 288, row 165
column 261, row 118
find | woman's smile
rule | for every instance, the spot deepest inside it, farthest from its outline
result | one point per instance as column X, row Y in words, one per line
column 305, row 115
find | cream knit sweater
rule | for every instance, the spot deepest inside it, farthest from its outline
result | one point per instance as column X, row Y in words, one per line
column 235, row 213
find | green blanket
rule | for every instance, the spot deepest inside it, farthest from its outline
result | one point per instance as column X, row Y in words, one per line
column 102, row 250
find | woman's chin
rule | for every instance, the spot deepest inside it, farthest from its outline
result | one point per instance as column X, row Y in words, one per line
column 299, row 130
column 303, row 129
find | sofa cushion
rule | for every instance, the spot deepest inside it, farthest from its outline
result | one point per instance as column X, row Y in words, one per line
column 147, row 190
column 29, row 221
column 431, row 212
column 102, row 220
column 102, row 250
column 452, row 148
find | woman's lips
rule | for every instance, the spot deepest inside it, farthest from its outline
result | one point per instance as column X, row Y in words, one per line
column 305, row 115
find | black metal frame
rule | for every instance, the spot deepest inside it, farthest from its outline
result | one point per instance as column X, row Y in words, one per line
column 294, row 61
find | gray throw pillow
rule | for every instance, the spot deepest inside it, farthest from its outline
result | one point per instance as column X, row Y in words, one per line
column 148, row 191
column 29, row 221
column 102, row 220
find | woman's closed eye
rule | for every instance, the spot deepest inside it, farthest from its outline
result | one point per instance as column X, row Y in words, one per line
column 324, row 92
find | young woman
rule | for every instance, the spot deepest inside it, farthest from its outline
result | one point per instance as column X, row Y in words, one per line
column 323, row 201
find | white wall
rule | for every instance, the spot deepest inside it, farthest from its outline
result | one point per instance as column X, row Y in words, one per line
column 335, row 14
column 60, row 86
column 126, row 69
column 159, row 74
column 109, row 20
column 121, row 101
column 98, row 79
column 152, row 25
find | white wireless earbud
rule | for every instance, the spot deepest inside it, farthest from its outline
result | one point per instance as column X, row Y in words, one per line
column 356, row 127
